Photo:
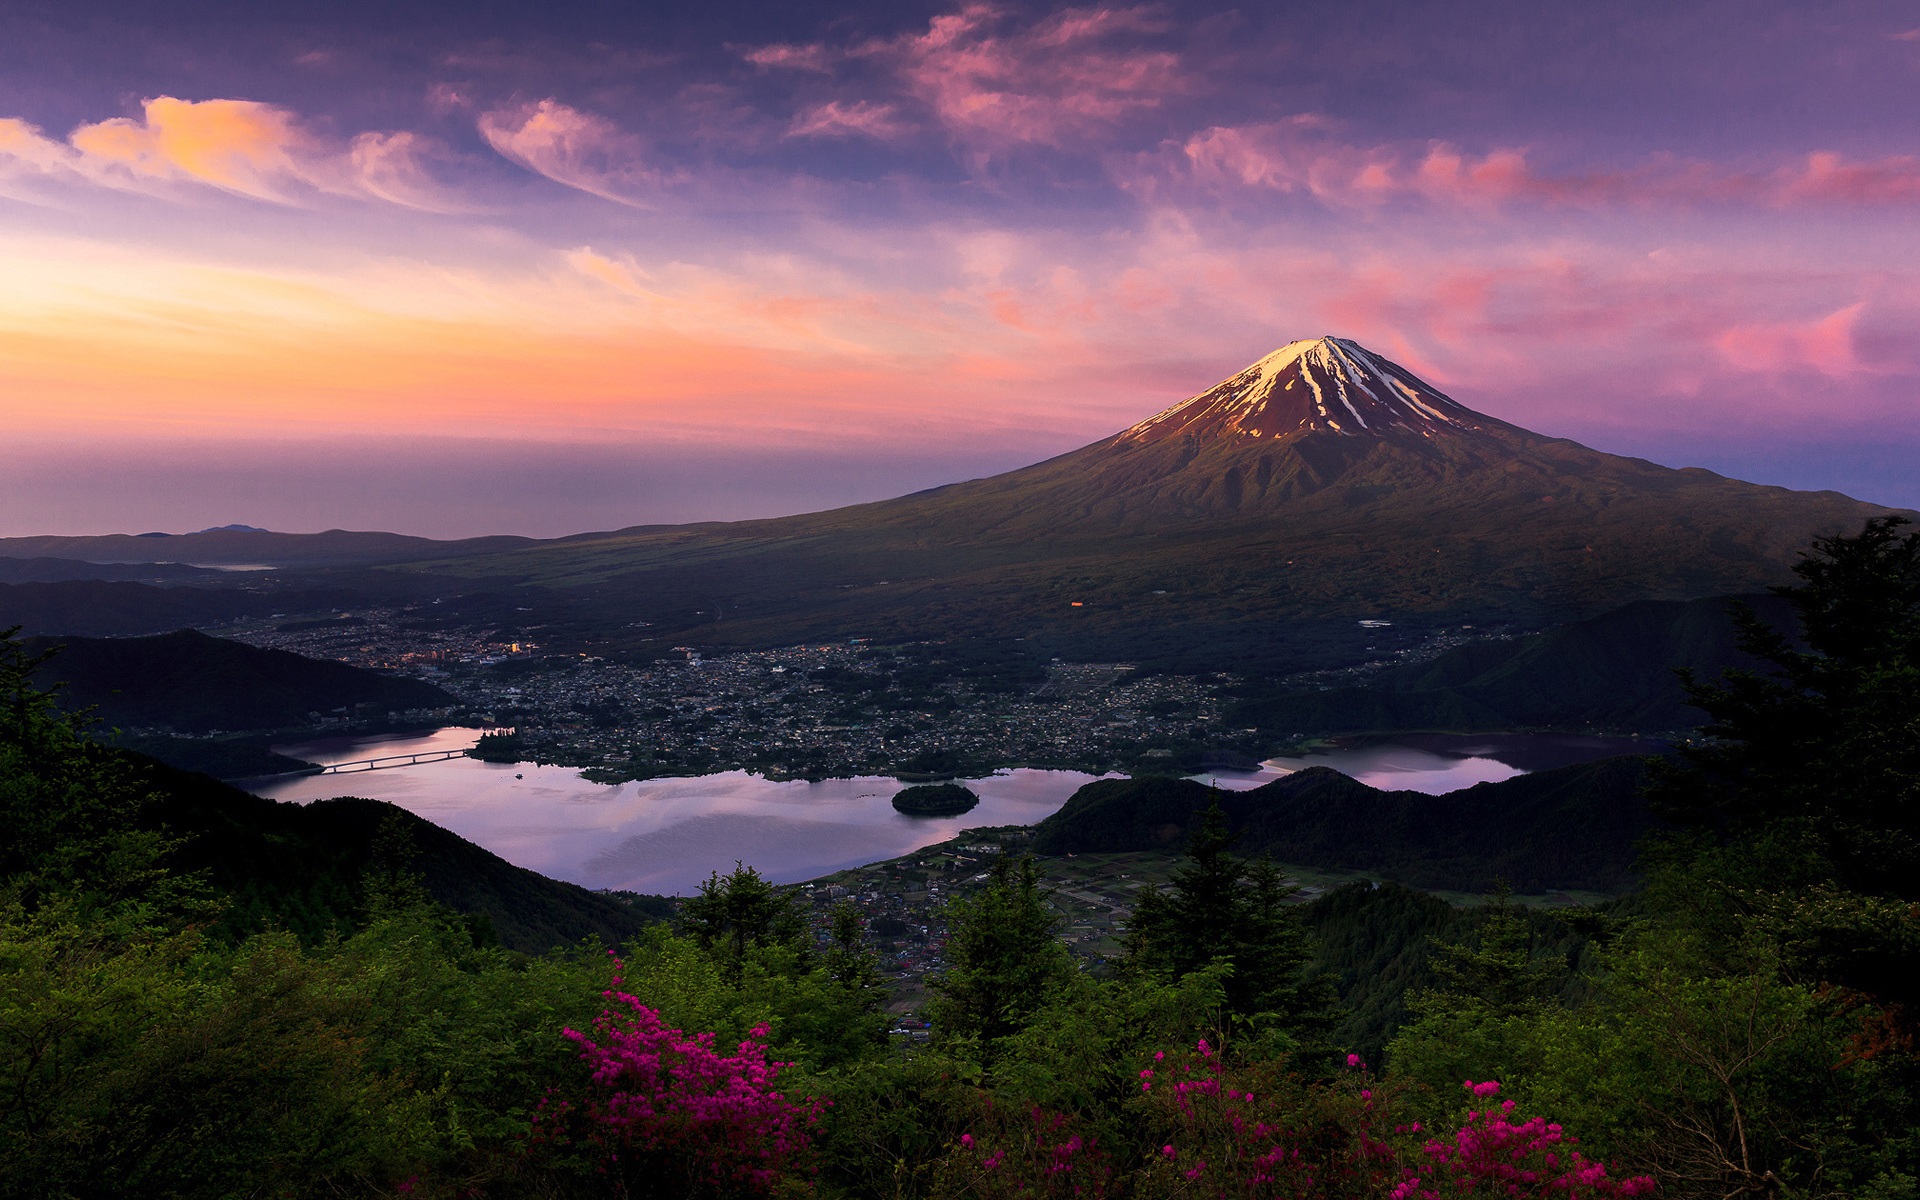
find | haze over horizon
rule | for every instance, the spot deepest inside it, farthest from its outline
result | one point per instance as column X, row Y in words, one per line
column 452, row 272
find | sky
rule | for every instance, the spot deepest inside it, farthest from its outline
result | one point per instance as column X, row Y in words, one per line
column 531, row 268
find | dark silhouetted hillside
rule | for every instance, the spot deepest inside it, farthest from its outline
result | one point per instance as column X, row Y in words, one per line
column 193, row 683
column 100, row 608
column 1615, row 672
column 1570, row 828
column 56, row 570
column 301, row 867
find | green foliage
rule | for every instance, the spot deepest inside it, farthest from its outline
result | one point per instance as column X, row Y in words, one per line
column 739, row 913
column 1235, row 913
column 1810, row 775
column 1003, row 960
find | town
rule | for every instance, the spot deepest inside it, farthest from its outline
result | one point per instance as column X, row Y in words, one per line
column 811, row 711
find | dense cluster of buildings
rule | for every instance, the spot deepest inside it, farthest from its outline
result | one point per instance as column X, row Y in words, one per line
column 804, row 711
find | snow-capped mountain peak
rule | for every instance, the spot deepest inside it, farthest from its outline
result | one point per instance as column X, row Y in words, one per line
column 1325, row 383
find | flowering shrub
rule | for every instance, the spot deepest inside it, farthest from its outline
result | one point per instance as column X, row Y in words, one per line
column 1493, row 1156
column 1254, row 1132
column 1043, row 1157
column 672, row 1115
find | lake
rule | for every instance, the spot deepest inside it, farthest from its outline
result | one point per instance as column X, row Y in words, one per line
column 667, row 835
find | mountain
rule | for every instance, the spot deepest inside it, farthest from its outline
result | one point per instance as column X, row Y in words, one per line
column 58, row 570
column 1249, row 527
column 1570, row 828
column 101, row 608
column 300, row 866
column 1614, row 672
column 193, row 683
column 239, row 545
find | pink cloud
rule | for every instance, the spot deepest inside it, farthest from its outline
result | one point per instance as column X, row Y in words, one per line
column 991, row 80
column 794, row 58
column 1300, row 156
column 1825, row 345
column 842, row 119
column 574, row 148
column 241, row 147
column 1828, row 178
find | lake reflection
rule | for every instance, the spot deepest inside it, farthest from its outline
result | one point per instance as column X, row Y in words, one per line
column 666, row 835
column 1442, row 762
column 661, row 835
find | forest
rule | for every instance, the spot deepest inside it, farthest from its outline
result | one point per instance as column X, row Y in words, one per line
column 1741, row 1025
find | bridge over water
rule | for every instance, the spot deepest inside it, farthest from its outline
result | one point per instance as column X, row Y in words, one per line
column 389, row 761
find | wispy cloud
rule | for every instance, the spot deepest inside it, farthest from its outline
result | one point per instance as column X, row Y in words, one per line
column 240, row 147
column 857, row 118
column 1300, row 157
column 575, row 148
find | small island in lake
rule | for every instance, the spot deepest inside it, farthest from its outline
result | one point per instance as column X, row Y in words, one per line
column 934, row 800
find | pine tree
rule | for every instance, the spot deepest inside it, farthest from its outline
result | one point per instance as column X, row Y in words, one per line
column 1003, row 958
column 739, row 911
column 1497, row 969
column 1222, row 907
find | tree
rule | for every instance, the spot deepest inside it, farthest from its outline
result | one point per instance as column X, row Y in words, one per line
column 849, row 962
column 1498, row 970
column 1828, row 739
column 738, row 912
column 1227, row 909
column 75, row 823
column 1003, row 959
column 1804, row 799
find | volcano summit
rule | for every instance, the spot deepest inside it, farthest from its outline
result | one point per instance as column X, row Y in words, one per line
column 1327, row 384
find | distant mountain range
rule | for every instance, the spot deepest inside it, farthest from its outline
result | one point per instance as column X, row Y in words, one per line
column 1571, row 828
column 234, row 546
column 103, row 608
column 1249, row 528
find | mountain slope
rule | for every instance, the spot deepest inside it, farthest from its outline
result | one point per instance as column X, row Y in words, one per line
column 1253, row 522
column 300, row 867
column 1573, row 827
column 1614, row 672
column 97, row 608
column 192, row 683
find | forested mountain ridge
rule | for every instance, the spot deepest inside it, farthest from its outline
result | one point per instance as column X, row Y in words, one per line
column 189, row 682
column 1617, row 672
column 1574, row 828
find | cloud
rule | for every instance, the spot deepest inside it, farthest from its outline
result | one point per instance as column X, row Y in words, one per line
column 859, row 118
column 794, row 58
column 1299, row 156
column 1825, row 345
column 993, row 80
column 241, row 147
column 620, row 275
column 574, row 148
